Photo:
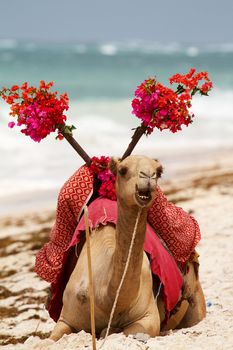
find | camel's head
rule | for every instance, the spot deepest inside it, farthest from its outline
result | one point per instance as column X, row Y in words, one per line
column 136, row 181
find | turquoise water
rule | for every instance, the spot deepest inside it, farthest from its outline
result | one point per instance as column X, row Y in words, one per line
column 110, row 70
column 100, row 80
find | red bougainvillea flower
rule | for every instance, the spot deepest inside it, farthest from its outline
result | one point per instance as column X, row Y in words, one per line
column 100, row 167
column 161, row 107
column 39, row 111
column 190, row 82
column 99, row 164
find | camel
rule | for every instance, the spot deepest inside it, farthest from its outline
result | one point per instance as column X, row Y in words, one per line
column 137, row 309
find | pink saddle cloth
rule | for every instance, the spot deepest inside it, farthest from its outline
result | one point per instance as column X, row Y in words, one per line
column 101, row 212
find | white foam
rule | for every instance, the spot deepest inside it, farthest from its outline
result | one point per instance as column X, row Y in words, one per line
column 8, row 44
column 169, row 48
column 108, row 49
column 217, row 106
column 192, row 51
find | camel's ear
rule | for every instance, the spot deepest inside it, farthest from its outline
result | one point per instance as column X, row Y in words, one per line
column 113, row 165
column 159, row 171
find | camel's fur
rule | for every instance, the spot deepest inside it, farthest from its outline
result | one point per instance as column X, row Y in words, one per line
column 136, row 310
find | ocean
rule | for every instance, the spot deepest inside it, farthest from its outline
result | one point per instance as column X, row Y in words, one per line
column 100, row 79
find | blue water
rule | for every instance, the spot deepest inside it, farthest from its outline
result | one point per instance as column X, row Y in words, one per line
column 100, row 80
column 110, row 70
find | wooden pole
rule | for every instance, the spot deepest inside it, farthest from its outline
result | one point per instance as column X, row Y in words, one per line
column 91, row 287
column 77, row 148
column 135, row 138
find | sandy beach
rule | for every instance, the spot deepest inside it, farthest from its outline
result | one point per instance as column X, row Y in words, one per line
column 206, row 192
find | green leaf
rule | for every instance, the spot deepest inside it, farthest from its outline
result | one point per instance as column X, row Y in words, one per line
column 195, row 90
column 68, row 129
column 179, row 89
column 203, row 93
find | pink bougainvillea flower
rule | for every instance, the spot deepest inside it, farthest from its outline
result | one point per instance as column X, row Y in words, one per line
column 39, row 111
column 11, row 124
column 160, row 107
column 100, row 168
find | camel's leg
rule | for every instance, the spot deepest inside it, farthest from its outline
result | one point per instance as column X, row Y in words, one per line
column 138, row 327
column 196, row 311
column 135, row 328
column 149, row 324
column 175, row 319
column 60, row 329
column 112, row 330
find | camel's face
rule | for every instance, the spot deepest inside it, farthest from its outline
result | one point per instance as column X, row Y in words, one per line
column 137, row 180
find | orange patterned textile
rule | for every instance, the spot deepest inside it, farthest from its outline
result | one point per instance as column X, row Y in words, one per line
column 178, row 229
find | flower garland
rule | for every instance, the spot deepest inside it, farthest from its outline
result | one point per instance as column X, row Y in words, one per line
column 161, row 107
column 100, row 167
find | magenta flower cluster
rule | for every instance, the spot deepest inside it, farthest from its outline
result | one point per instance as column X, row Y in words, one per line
column 40, row 122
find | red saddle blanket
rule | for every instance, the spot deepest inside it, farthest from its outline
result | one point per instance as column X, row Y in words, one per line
column 103, row 211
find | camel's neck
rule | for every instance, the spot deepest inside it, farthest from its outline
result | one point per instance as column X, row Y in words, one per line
column 127, row 217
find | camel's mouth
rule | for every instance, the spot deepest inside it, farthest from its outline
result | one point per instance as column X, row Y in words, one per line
column 143, row 197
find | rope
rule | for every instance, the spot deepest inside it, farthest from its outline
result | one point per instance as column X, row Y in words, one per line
column 91, row 286
column 123, row 275
column 159, row 289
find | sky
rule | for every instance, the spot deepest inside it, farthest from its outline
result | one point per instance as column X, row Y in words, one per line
column 196, row 21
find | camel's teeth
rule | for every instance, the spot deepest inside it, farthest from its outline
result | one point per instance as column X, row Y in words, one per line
column 144, row 197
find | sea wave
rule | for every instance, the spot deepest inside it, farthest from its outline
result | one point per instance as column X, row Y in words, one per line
column 220, row 48
column 110, row 69
column 108, row 49
column 217, row 106
column 159, row 48
column 8, row 44
column 111, row 48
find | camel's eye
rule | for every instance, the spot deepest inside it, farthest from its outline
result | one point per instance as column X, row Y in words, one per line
column 123, row 170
